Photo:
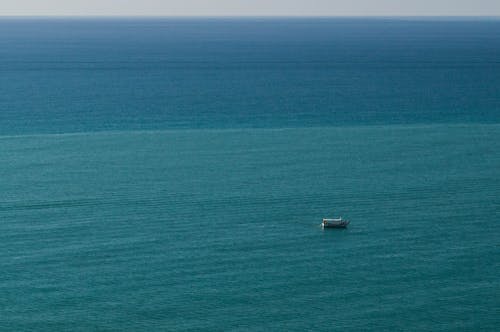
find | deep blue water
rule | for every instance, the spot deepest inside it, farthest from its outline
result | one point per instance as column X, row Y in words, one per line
column 171, row 174
column 87, row 75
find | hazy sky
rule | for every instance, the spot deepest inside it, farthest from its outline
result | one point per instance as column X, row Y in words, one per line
column 251, row 7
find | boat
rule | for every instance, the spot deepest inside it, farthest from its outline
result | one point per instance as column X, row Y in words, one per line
column 334, row 223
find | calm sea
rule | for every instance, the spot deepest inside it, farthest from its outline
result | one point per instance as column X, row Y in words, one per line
column 171, row 174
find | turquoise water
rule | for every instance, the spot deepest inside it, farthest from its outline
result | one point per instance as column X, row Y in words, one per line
column 185, row 214
column 219, row 229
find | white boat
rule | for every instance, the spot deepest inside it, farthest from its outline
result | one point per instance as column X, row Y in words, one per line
column 334, row 223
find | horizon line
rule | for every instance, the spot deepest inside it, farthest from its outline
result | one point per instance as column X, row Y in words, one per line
column 251, row 16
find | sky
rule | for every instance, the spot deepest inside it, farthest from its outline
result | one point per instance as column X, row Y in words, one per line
column 250, row 7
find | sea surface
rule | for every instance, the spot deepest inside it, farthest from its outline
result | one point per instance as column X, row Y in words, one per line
column 171, row 174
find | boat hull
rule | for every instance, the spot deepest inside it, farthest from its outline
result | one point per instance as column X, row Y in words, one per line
column 337, row 224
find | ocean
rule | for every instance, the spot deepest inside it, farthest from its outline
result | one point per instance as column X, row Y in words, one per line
column 171, row 174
